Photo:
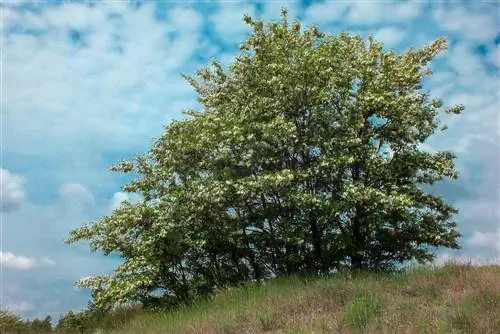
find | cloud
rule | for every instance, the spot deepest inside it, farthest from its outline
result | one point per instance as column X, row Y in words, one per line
column 464, row 61
column 34, row 297
column 106, row 79
column 365, row 13
column 47, row 262
column 20, row 307
column 228, row 23
column 373, row 12
column 120, row 196
column 17, row 3
column 490, row 240
column 475, row 134
column 326, row 12
column 72, row 16
column 10, row 260
column 81, row 94
column 441, row 83
column 11, row 186
column 390, row 36
column 475, row 23
column 47, row 281
column 184, row 18
column 494, row 56
column 16, row 261
column 76, row 194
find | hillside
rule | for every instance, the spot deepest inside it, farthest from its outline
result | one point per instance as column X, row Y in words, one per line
column 449, row 299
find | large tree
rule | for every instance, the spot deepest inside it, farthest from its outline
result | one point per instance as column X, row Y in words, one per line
column 304, row 158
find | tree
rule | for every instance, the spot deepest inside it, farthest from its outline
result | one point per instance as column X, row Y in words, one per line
column 74, row 322
column 12, row 323
column 40, row 326
column 304, row 159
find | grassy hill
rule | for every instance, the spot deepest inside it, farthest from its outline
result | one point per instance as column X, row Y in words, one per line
column 450, row 299
column 454, row 298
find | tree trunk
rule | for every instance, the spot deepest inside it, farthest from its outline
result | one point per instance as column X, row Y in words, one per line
column 357, row 236
column 316, row 240
column 251, row 256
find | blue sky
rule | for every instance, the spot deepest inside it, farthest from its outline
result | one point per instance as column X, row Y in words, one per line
column 84, row 86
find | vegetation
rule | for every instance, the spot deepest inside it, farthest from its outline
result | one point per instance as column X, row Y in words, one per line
column 12, row 323
column 450, row 299
column 304, row 160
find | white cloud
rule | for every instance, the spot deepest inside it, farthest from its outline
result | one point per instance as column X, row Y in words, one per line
column 476, row 23
column 463, row 60
column 16, row 261
column 16, row 3
column 40, row 229
column 228, row 21
column 326, row 12
column 109, row 94
column 441, row 83
column 484, row 211
column 489, row 240
column 67, row 107
column 48, row 262
column 12, row 190
column 11, row 260
column 76, row 194
column 472, row 85
column 494, row 56
column 119, row 197
column 19, row 307
column 32, row 295
column 463, row 144
column 373, row 12
column 390, row 36
column 183, row 19
column 72, row 15
column 9, row 17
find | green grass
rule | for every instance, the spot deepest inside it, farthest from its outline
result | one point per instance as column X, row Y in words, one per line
column 361, row 311
column 450, row 299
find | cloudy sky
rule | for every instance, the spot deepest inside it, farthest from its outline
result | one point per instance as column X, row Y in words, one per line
column 84, row 86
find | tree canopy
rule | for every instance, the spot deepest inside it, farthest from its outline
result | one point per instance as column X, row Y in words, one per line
column 305, row 158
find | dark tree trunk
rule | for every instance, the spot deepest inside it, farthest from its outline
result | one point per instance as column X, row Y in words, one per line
column 357, row 235
column 357, row 240
column 316, row 240
column 251, row 255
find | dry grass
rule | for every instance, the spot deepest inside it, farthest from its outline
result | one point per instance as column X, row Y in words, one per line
column 450, row 299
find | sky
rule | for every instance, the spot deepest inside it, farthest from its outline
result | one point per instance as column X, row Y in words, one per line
column 84, row 85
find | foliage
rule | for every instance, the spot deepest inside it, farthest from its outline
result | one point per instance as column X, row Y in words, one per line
column 93, row 320
column 13, row 324
column 74, row 322
column 305, row 158
column 10, row 322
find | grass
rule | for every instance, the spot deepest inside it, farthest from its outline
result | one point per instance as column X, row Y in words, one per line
column 361, row 311
column 455, row 298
